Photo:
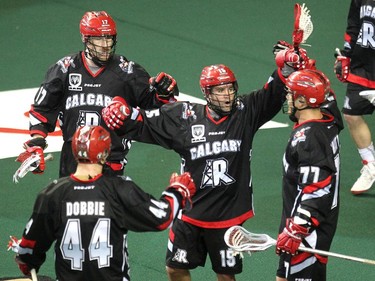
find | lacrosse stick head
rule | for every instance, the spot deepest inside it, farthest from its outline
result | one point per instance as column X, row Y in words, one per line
column 30, row 162
column 303, row 26
column 240, row 240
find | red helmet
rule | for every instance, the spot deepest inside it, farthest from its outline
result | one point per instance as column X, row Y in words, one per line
column 313, row 85
column 91, row 144
column 214, row 75
column 97, row 23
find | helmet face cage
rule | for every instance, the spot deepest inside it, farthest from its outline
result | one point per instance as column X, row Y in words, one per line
column 91, row 144
column 216, row 75
column 103, row 52
column 99, row 36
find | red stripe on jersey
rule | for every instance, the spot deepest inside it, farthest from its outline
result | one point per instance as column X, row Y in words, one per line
column 361, row 81
column 302, row 256
column 318, row 185
column 171, row 235
column 168, row 222
column 139, row 118
column 219, row 224
column 37, row 115
column 299, row 258
column 88, row 68
column 209, row 116
column 347, row 38
column 25, row 243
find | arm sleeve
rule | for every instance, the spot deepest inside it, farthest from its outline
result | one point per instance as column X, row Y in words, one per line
column 48, row 102
column 38, row 235
column 353, row 23
column 266, row 102
column 159, row 126
column 317, row 177
column 143, row 212
column 138, row 90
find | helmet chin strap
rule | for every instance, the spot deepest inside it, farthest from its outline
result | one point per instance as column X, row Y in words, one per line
column 94, row 59
column 292, row 115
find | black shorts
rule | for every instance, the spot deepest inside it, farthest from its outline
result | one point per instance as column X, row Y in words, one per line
column 310, row 269
column 188, row 246
column 354, row 104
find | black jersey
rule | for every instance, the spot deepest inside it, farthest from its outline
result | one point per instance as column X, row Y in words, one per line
column 72, row 94
column 89, row 220
column 217, row 153
column 311, row 171
column 360, row 35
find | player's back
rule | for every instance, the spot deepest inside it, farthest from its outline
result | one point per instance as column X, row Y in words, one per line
column 88, row 225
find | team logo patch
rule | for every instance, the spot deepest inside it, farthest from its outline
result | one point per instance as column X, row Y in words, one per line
column 299, row 136
column 75, row 81
column 187, row 111
column 197, row 132
column 126, row 66
column 64, row 64
column 180, row 256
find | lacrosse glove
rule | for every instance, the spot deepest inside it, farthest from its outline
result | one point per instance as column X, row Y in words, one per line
column 32, row 161
column 165, row 87
column 183, row 184
column 290, row 238
column 342, row 64
column 116, row 113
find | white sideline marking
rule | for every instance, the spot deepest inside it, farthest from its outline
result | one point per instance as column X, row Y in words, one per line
column 17, row 102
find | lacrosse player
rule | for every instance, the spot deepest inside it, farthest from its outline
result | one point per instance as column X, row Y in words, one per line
column 310, row 177
column 215, row 144
column 88, row 215
column 355, row 65
column 78, row 86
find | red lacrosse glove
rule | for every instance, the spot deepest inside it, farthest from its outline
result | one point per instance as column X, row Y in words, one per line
column 280, row 46
column 290, row 239
column 184, row 184
column 342, row 64
column 165, row 86
column 341, row 68
column 32, row 159
column 296, row 59
column 25, row 269
column 115, row 113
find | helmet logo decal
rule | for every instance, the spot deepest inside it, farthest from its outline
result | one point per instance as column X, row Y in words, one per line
column 198, row 132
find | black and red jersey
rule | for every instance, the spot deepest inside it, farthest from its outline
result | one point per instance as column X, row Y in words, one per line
column 74, row 95
column 360, row 35
column 89, row 223
column 311, row 180
column 217, row 153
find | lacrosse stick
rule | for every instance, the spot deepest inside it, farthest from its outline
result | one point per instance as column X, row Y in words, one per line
column 29, row 165
column 33, row 275
column 303, row 26
column 14, row 245
column 241, row 240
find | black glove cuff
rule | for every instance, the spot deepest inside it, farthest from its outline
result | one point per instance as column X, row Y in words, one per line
column 37, row 142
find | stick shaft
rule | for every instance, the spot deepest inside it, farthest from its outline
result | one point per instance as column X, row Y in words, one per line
column 33, row 275
column 48, row 157
column 331, row 254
